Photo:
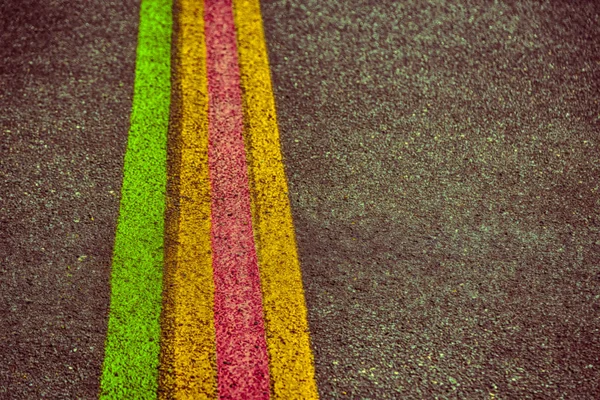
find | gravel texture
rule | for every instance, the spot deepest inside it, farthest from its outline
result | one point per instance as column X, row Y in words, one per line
column 443, row 159
column 66, row 79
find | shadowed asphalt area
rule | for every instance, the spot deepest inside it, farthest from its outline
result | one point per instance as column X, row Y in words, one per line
column 66, row 81
column 443, row 164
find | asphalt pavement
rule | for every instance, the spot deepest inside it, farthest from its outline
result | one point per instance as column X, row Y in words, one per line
column 66, row 85
column 443, row 165
column 443, row 160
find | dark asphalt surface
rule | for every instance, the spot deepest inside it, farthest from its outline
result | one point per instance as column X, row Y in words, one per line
column 443, row 160
column 444, row 165
column 66, row 82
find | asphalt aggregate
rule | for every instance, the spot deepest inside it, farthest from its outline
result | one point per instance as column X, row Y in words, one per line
column 66, row 84
column 443, row 164
column 443, row 160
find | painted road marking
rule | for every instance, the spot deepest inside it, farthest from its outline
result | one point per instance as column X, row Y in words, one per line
column 130, row 369
column 188, row 369
column 242, row 360
column 214, row 325
column 291, row 360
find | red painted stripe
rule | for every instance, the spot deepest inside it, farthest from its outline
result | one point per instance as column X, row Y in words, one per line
column 242, row 361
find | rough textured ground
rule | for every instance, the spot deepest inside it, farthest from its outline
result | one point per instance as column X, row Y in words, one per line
column 443, row 162
column 66, row 78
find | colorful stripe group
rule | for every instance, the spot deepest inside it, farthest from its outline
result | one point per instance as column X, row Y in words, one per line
column 207, row 298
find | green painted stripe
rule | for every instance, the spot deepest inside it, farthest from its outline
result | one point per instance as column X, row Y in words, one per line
column 131, row 361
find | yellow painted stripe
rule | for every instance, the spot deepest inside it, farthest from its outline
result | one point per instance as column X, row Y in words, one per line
column 291, row 362
column 189, row 361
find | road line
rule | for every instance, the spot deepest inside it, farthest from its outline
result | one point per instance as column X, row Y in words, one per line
column 188, row 346
column 291, row 360
column 242, row 360
column 130, row 369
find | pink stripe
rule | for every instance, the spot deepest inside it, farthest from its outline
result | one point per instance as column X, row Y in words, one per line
column 242, row 361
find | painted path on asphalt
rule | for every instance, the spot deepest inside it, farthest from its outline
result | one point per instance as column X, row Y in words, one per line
column 130, row 368
column 227, row 319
